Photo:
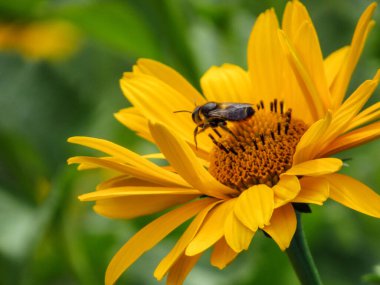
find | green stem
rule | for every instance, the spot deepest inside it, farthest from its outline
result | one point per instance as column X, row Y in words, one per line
column 301, row 259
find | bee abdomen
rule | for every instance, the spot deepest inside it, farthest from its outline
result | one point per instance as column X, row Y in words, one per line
column 249, row 112
column 240, row 114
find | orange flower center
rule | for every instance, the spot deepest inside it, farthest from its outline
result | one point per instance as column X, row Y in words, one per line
column 261, row 148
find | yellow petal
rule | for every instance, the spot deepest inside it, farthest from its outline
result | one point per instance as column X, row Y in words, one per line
column 223, row 254
column 146, row 95
column 151, row 173
column 133, row 120
column 368, row 115
column 139, row 205
column 123, row 180
column 315, row 104
column 353, row 139
column 316, row 167
column 83, row 165
column 298, row 25
column 286, row 190
column 295, row 15
column 368, row 111
column 333, row 64
column 181, row 269
column 182, row 158
column 343, row 78
column 149, row 236
column 172, row 78
column 265, row 61
column 228, row 83
column 354, row 194
column 349, row 109
column 154, row 156
column 254, row 207
column 356, row 101
column 237, row 236
column 314, row 190
column 136, row 191
column 212, row 229
column 309, row 51
column 282, row 226
column 294, row 96
column 114, row 150
column 158, row 101
column 309, row 142
column 179, row 249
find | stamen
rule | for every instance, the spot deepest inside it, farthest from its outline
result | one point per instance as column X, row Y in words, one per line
column 255, row 144
column 231, row 149
column 244, row 157
column 218, row 144
column 262, row 138
column 288, row 115
column 286, row 128
column 271, row 106
column 272, row 135
column 275, row 105
column 262, row 104
column 217, row 133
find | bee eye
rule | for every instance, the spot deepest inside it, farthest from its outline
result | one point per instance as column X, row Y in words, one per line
column 195, row 115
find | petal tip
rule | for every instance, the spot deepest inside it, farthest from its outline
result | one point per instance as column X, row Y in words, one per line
column 71, row 139
column 82, row 198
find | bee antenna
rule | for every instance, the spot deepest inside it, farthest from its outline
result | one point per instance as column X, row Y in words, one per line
column 182, row 111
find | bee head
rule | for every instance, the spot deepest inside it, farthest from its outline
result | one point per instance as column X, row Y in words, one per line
column 195, row 115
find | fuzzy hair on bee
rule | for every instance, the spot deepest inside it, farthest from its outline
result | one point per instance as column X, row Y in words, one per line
column 216, row 115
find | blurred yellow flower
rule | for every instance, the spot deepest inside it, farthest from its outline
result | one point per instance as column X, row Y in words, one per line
column 51, row 40
column 249, row 178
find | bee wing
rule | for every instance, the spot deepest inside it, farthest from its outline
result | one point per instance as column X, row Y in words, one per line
column 232, row 111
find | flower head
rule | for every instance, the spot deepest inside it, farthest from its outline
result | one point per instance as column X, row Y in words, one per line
column 52, row 40
column 245, row 174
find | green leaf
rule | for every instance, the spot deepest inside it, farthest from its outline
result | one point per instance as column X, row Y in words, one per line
column 373, row 278
column 17, row 227
column 19, row 9
column 117, row 25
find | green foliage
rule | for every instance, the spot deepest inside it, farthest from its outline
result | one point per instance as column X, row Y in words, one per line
column 115, row 24
column 373, row 278
column 48, row 237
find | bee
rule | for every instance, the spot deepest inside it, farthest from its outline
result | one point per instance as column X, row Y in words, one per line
column 214, row 115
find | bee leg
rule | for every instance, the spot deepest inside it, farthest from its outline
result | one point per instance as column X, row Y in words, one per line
column 218, row 144
column 199, row 129
column 224, row 127
column 195, row 137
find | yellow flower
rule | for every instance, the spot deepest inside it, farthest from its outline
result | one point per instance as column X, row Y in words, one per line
column 51, row 40
column 250, row 179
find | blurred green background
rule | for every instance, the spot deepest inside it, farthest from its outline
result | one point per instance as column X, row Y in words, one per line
column 46, row 235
